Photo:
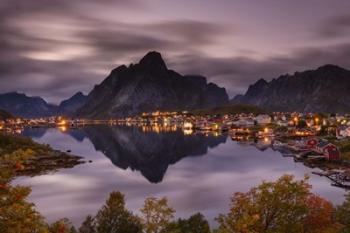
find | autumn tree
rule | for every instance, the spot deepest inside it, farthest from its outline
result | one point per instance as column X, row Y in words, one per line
column 282, row 206
column 88, row 226
column 62, row 226
column 156, row 214
column 114, row 217
column 320, row 213
column 16, row 214
column 194, row 224
column 343, row 214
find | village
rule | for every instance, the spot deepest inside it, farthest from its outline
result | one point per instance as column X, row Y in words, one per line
column 317, row 140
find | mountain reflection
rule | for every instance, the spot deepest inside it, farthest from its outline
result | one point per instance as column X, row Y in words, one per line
column 148, row 149
column 150, row 152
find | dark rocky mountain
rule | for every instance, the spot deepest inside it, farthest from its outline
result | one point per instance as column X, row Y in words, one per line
column 326, row 89
column 69, row 106
column 148, row 152
column 31, row 107
column 24, row 106
column 149, row 86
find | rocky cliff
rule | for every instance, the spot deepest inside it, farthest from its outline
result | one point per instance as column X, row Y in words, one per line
column 149, row 86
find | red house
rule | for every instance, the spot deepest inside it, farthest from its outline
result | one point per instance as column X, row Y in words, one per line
column 311, row 143
column 331, row 152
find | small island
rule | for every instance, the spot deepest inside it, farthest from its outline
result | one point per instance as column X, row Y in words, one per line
column 26, row 157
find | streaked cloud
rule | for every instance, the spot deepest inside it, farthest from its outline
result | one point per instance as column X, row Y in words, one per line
column 54, row 48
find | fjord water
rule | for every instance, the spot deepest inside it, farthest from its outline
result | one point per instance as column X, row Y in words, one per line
column 198, row 173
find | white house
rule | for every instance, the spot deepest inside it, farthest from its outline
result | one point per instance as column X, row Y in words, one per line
column 343, row 131
column 244, row 122
column 263, row 119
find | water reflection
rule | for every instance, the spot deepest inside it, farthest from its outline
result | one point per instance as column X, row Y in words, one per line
column 146, row 150
column 199, row 173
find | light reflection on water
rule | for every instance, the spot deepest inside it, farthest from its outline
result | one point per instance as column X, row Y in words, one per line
column 198, row 173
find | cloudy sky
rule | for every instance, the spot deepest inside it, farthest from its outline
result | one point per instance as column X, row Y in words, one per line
column 54, row 48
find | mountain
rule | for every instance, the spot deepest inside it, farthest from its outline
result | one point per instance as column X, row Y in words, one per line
column 4, row 115
column 325, row 89
column 29, row 107
column 69, row 106
column 149, row 86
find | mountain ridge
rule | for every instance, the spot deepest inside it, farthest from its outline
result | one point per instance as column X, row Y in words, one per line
column 324, row 89
column 19, row 104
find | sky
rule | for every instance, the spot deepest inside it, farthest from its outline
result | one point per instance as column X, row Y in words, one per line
column 55, row 48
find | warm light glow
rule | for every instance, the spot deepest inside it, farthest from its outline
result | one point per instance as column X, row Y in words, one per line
column 19, row 131
column 62, row 122
column 188, row 125
column 62, row 128
column 295, row 119
column 266, row 130
column 188, row 131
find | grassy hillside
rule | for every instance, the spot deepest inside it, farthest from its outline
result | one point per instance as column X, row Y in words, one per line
column 5, row 115
column 230, row 109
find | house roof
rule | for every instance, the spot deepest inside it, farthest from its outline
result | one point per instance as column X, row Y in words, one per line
column 322, row 143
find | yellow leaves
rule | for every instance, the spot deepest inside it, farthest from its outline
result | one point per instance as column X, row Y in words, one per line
column 156, row 214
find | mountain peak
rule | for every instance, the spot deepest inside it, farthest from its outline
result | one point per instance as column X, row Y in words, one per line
column 153, row 60
column 149, row 86
column 78, row 94
column 261, row 82
column 330, row 67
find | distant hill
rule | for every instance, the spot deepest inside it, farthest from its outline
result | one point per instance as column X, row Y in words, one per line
column 4, row 115
column 31, row 107
column 230, row 109
column 149, row 86
column 25, row 106
column 326, row 89
column 69, row 106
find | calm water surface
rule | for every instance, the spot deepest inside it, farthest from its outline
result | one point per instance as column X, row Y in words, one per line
column 197, row 173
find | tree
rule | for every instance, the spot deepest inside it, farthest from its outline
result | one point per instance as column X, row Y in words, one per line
column 195, row 224
column 343, row 214
column 88, row 226
column 282, row 206
column 320, row 213
column 156, row 214
column 114, row 217
column 16, row 214
column 62, row 226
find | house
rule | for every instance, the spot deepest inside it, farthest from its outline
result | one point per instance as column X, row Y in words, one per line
column 263, row 119
column 311, row 142
column 244, row 122
column 331, row 152
column 304, row 132
column 343, row 131
column 282, row 123
column 328, row 150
